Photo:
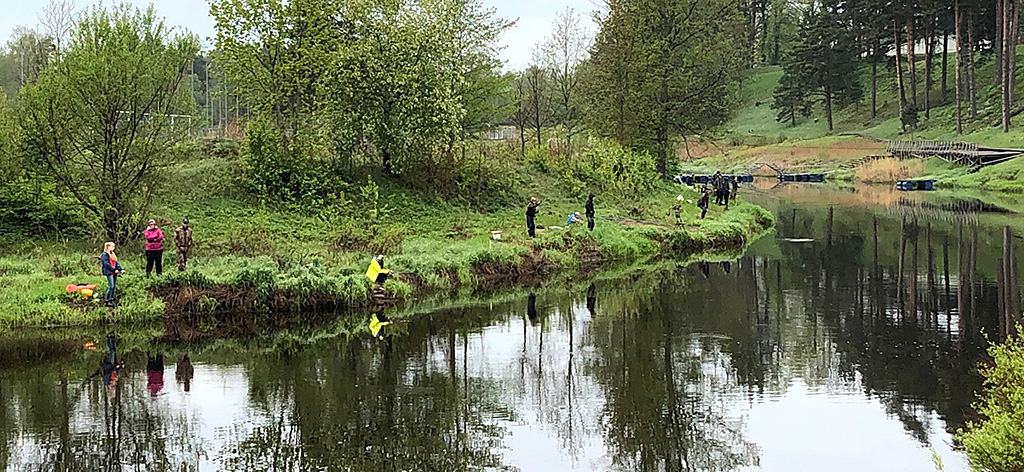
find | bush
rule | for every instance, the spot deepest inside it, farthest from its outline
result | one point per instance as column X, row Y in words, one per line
column 996, row 444
column 31, row 208
column 272, row 171
column 539, row 159
column 225, row 148
column 618, row 170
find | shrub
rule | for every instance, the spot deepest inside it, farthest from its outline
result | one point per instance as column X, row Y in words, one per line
column 996, row 444
column 539, row 159
column 225, row 148
column 618, row 170
column 31, row 208
column 273, row 171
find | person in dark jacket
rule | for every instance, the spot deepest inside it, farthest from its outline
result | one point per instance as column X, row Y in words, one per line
column 725, row 193
column 705, row 197
column 589, row 209
column 716, row 184
column 531, row 214
column 111, row 270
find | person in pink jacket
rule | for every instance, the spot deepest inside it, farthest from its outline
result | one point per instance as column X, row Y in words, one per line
column 154, row 248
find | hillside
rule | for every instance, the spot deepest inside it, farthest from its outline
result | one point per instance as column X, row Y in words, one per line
column 753, row 135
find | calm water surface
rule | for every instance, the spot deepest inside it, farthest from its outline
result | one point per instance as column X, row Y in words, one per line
column 845, row 341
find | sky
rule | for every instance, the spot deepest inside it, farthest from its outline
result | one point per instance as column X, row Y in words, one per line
column 533, row 18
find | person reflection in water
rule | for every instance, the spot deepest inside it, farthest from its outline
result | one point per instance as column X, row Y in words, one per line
column 591, row 299
column 110, row 368
column 531, row 309
column 155, row 374
column 705, row 269
column 183, row 372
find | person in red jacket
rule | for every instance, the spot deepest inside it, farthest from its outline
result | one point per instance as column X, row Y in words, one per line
column 154, row 248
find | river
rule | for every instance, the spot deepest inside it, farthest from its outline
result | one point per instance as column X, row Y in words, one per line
column 845, row 340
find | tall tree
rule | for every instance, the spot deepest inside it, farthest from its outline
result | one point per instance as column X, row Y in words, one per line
column 561, row 54
column 31, row 51
column 99, row 117
column 909, row 20
column 972, row 91
column 791, row 96
column 520, row 103
column 827, row 57
column 958, row 21
column 57, row 20
column 538, row 101
column 904, row 106
column 685, row 60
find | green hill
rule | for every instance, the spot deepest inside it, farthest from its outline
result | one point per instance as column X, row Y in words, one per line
column 753, row 134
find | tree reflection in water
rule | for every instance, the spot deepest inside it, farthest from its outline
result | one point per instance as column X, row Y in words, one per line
column 657, row 371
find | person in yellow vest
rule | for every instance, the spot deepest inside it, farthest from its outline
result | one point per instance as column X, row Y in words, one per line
column 376, row 272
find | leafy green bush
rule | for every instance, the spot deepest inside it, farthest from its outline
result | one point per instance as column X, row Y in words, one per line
column 272, row 171
column 31, row 208
column 225, row 147
column 489, row 183
column 996, row 444
column 539, row 159
column 618, row 170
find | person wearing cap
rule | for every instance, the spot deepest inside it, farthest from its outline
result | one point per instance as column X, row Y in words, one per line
column 154, row 248
column 183, row 242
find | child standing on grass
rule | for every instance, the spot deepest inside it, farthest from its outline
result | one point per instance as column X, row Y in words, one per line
column 111, row 270
column 154, row 248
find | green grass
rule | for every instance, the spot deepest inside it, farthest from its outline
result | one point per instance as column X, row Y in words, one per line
column 293, row 253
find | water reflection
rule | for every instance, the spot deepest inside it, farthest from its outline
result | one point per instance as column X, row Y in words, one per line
column 853, row 349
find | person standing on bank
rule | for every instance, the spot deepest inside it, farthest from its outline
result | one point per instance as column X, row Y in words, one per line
column 589, row 210
column 154, row 248
column 531, row 214
column 111, row 270
column 716, row 184
column 705, row 196
column 183, row 242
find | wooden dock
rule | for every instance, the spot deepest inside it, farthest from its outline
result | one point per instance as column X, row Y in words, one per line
column 967, row 154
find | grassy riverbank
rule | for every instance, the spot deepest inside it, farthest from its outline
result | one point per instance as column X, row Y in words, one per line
column 260, row 257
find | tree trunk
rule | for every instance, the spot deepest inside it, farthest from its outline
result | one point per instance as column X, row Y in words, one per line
column 945, row 62
column 828, row 109
column 997, row 46
column 972, row 94
column 1014, row 40
column 958, row 66
column 874, row 79
column 899, row 77
column 911, row 62
column 522, row 142
column 539, row 129
column 929, row 49
column 1005, row 71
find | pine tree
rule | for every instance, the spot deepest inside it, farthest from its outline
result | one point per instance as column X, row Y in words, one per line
column 827, row 58
column 791, row 97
